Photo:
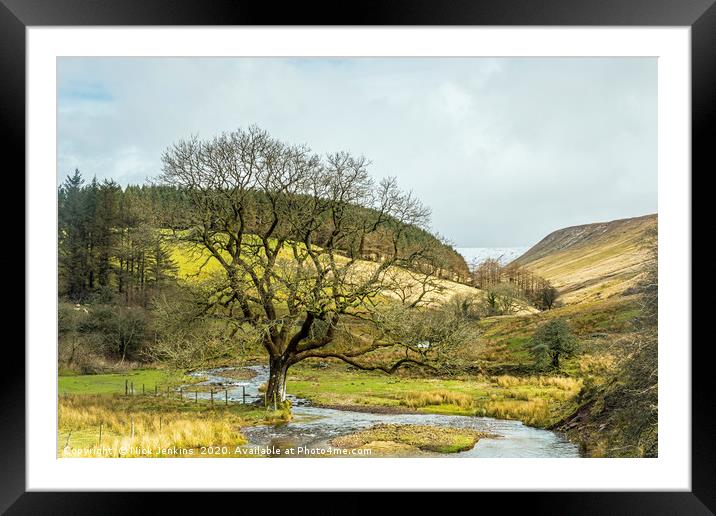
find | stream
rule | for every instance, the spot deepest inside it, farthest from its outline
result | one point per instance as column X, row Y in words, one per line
column 314, row 427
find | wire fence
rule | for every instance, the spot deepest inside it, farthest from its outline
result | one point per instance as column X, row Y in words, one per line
column 213, row 394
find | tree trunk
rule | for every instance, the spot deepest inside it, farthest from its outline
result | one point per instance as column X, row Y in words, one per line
column 276, row 386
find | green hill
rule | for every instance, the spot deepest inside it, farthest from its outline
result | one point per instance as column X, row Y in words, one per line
column 169, row 205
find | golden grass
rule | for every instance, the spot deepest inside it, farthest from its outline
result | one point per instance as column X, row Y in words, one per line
column 424, row 399
column 158, row 427
column 562, row 383
column 532, row 412
column 598, row 265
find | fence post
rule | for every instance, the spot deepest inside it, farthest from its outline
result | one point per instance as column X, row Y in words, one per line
column 126, row 386
column 142, row 388
column 131, row 385
column 243, row 394
column 226, row 396
column 212, row 397
column 181, row 393
column 196, row 396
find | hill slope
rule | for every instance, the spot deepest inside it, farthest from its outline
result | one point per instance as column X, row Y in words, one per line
column 195, row 263
column 592, row 261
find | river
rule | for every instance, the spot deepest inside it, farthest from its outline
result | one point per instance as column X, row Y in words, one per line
column 314, row 427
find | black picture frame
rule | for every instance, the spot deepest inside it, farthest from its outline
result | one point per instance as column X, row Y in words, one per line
column 700, row 15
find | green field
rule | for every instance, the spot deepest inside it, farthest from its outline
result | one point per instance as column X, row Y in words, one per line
column 114, row 383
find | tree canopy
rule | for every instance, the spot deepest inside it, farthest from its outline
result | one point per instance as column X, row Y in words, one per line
column 290, row 230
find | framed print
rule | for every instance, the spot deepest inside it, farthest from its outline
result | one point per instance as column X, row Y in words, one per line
column 445, row 248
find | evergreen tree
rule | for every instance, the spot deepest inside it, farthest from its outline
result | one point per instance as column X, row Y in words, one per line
column 73, row 218
column 105, row 222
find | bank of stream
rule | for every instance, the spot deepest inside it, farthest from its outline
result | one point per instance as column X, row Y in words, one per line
column 314, row 427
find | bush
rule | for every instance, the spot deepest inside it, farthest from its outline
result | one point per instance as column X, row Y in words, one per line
column 121, row 330
column 545, row 297
column 103, row 295
column 501, row 299
column 469, row 307
column 551, row 342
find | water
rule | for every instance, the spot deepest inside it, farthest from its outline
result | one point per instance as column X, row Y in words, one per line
column 479, row 254
column 314, row 427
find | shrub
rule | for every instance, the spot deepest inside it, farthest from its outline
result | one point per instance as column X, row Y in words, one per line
column 122, row 330
column 551, row 342
column 502, row 299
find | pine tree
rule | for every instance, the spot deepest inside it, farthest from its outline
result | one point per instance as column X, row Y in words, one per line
column 104, row 222
column 73, row 218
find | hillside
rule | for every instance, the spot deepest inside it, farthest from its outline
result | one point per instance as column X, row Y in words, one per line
column 592, row 261
column 169, row 208
column 194, row 263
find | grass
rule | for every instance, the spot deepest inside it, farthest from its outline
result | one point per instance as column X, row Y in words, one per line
column 500, row 390
column 503, row 343
column 388, row 438
column 536, row 400
column 149, row 426
column 113, row 383
column 495, row 378
column 437, row 398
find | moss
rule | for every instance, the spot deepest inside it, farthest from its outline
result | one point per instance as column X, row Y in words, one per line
column 420, row 437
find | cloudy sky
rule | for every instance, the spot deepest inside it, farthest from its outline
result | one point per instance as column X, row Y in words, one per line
column 503, row 150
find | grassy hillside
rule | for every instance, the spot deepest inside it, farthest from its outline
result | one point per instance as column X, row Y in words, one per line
column 606, row 275
column 504, row 342
column 193, row 262
column 592, row 261
column 494, row 373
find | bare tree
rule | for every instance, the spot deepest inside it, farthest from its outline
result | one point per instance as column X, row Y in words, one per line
column 260, row 207
column 545, row 295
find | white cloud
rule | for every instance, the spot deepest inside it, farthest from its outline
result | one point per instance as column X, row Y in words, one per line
column 503, row 150
column 454, row 101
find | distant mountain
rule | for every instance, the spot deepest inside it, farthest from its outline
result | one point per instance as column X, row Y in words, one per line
column 476, row 255
column 592, row 261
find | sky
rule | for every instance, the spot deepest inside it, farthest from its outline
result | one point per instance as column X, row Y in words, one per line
column 503, row 150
